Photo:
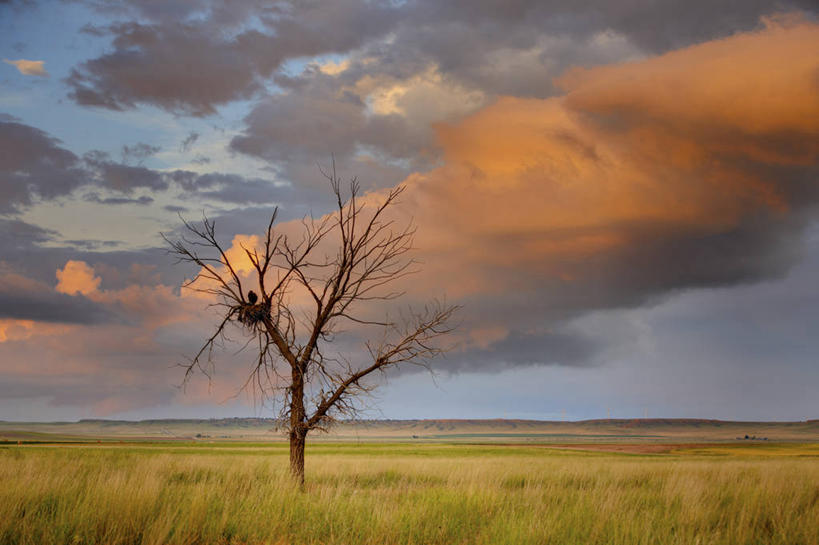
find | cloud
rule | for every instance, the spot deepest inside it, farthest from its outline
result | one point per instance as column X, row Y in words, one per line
column 613, row 197
column 19, row 235
column 780, row 106
column 37, row 168
column 396, row 69
column 230, row 188
column 95, row 197
column 137, row 283
column 121, row 177
column 141, row 304
column 22, row 298
column 121, row 356
column 19, row 330
column 131, row 74
column 509, row 49
column 645, row 179
column 77, row 277
column 28, row 68
column 138, row 152
column 34, row 165
column 608, row 188
column 292, row 130
column 224, row 62
column 91, row 244
column 438, row 64
column 189, row 141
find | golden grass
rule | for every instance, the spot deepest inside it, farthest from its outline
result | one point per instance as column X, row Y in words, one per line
column 385, row 494
column 754, row 450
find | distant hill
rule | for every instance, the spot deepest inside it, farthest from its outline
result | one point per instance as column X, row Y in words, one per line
column 498, row 430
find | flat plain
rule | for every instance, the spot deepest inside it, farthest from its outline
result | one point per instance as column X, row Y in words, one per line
column 488, row 489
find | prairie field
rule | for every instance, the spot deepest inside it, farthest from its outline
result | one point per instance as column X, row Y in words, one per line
column 389, row 493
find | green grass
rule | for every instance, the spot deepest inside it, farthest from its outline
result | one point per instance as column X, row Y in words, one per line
column 407, row 493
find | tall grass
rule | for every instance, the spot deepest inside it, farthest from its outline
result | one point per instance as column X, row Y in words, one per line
column 394, row 494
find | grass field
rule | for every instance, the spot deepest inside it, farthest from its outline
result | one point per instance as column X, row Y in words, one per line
column 186, row 493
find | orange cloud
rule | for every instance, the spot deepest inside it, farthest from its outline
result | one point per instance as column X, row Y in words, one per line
column 28, row 68
column 624, row 188
column 19, row 330
column 756, row 83
column 239, row 260
column 153, row 306
column 627, row 144
column 77, row 277
column 237, row 255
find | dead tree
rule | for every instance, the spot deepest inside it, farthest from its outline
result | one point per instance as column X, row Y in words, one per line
column 341, row 264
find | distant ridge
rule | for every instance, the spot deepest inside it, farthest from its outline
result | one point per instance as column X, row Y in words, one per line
column 261, row 421
column 498, row 430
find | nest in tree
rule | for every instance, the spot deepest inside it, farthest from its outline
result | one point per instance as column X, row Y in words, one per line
column 251, row 315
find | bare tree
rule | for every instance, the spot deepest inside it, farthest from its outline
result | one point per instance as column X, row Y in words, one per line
column 293, row 360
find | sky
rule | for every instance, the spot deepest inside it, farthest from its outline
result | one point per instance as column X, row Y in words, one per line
column 621, row 196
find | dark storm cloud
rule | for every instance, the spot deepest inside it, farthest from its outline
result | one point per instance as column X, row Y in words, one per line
column 657, row 26
column 307, row 125
column 489, row 48
column 659, row 261
column 645, row 180
column 317, row 117
column 16, row 234
column 138, row 153
column 221, row 64
column 241, row 191
column 252, row 220
column 138, row 71
column 670, row 24
column 28, row 280
column 230, row 188
column 121, row 177
column 34, row 253
column 228, row 15
column 189, row 141
column 296, row 130
column 88, row 245
column 564, row 348
column 663, row 258
column 95, row 197
column 33, row 165
column 24, row 299
column 115, row 266
column 226, row 57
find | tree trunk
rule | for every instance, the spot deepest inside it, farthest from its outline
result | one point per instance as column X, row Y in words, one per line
column 297, row 442
column 298, row 432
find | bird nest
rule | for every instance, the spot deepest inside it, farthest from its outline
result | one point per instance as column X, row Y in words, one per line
column 251, row 315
